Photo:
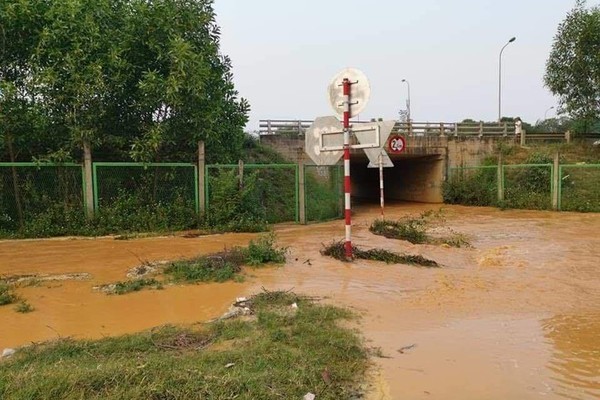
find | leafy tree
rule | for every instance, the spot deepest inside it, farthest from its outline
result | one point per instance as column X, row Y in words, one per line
column 142, row 80
column 573, row 67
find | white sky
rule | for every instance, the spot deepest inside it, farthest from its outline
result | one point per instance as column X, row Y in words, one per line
column 284, row 54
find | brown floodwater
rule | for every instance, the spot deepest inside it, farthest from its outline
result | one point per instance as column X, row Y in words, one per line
column 515, row 316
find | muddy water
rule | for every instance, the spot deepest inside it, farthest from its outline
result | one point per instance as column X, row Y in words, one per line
column 73, row 308
column 516, row 316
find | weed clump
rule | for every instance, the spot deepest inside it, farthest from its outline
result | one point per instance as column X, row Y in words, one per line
column 264, row 251
column 416, row 230
column 7, row 295
column 337, row 251
column 24, row 307
column 217, row 267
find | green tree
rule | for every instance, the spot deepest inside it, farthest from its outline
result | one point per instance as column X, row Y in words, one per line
column 573, row 67
column 140, row 79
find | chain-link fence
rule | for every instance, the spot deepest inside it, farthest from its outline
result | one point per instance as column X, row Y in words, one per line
column 580, row 188
column 44, row 198
column 473, row 186
column 241, row 196
column 324, row 192
column 143, row 197
column 528, row 186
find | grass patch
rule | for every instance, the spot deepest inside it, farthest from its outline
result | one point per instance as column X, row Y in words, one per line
column 280, row 352
column 24, row 307
column 217, row 267
column 416, row 230
column 227, row 265
column 7, row 295
column 337, row 251
column 134, row 286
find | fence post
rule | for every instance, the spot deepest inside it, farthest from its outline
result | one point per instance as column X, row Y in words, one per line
column 201, row 178
column 500, row 179
column 442, row 130
column 241, row 173
column 556, row 182
column 505, row 129
column 89, row 180
column 523, row 137
column 480, row 129
column 456, row 129
column 301, row 192
column 568, row 136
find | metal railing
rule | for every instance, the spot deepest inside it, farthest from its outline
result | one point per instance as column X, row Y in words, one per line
column 299, row 127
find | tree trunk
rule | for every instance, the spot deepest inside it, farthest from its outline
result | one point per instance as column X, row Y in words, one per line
column 15, row 178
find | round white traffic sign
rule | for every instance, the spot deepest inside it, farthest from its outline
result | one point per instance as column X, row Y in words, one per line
column 360, row 92
column 397, row 144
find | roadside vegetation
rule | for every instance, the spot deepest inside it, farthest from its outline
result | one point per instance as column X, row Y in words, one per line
column 337, row 251
column 420, row 230
column 219, row 267
column 289, row 346
column 529, row 186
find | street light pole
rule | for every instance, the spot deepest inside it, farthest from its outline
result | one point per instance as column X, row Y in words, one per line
column 500, row 79
column 408, row 107
column 546, row 113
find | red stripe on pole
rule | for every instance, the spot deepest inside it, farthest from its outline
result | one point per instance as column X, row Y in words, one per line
column 347, row 189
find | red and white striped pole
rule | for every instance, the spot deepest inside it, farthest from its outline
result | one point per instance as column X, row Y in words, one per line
column 347, row 187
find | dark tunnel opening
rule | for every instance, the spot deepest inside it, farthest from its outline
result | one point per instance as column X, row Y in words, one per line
column 413, row 178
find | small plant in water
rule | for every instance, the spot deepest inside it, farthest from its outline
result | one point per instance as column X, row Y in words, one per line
column 415, row 230
column 337, row 251
column 7, row 296
column 24, row 307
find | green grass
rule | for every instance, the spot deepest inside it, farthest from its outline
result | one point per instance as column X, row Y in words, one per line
column 24, row 307
column 278, row 353
column 415, row 230
column 217, row 267
column 7, row 295
column 337, row 251
column 135, row 286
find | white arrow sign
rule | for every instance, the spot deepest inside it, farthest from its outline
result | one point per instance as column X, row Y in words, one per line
column 385, row 159
column 385, row 128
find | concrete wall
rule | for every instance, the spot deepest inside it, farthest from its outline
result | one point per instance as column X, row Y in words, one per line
column 420, row 171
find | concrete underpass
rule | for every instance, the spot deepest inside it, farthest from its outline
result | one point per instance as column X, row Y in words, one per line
column 413, row 178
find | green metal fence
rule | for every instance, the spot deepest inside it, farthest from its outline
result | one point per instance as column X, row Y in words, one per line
column 266, row 191
column 528, row 186
column 475, row 186
column 324, row 192
column 579, row 188
column 41, row 197
column 146, row 197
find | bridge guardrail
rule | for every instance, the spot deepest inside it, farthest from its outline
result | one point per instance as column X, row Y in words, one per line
column 299, row 127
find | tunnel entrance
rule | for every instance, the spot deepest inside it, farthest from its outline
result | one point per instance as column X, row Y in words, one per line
column 413, row 178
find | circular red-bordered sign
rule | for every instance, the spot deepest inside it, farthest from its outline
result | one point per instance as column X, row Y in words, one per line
column 397, row 144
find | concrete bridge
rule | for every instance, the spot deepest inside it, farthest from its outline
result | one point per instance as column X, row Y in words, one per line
column 419, row 173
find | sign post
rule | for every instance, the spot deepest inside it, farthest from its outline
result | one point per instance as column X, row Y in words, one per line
column 347, row 186
column 327, row 139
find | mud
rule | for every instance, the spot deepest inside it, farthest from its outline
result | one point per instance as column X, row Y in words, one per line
column 515, row 316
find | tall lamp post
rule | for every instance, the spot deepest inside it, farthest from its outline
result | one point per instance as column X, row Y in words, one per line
column 500, row 78
column 408, row 107
column 546, row 113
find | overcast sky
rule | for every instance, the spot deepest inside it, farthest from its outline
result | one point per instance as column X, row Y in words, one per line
column 285, row 53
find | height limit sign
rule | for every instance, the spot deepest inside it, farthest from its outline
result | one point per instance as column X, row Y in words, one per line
column 397, row 144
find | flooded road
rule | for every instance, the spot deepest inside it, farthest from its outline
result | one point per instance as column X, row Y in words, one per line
column 515, row 316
